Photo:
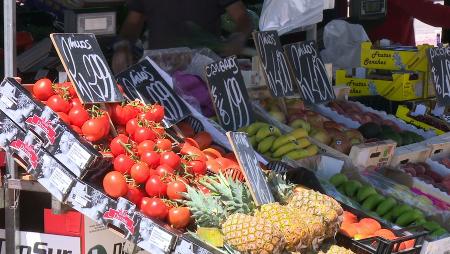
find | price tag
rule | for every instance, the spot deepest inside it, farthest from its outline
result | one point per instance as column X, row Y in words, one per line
column 143, row 82
column 78, row 155
column 440, row 73
column 229, row 94
column 310, row 72
column 249, row 163
column 274, row 63
column 160, row 238
column 87, row 68
column 60, row 180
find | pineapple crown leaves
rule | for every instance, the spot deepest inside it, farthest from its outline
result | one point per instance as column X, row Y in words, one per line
column 207, row 210
column 234, row 195
column 280, row 187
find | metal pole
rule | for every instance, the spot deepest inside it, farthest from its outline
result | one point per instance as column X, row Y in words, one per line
column 9, row 14
column 311, row 33
column 11, row 208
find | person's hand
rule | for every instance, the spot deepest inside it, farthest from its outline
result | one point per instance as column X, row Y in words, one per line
column 122, row 59
column 234, row 44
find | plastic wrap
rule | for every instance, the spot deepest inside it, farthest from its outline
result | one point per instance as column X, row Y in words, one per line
column 342, row 42
column 287, row 15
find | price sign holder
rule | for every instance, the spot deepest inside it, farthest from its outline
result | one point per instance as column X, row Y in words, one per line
column 250, row 166
column 310, row 72
column 229, row 94
column 439, row 59
column 144, row 82
column 87, row 68
column 274, row 63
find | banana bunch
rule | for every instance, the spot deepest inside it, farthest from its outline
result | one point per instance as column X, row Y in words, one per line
column 270, row 142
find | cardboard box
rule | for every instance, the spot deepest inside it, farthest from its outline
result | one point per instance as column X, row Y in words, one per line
column 373, row 154
column 68, row 224
column 57, row 138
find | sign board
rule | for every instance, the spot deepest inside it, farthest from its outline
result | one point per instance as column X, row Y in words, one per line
column 87, row 68
column 440, row 73
column 229, row 94
column 275, row 65
column 310, row 72
column 250, row 166
column 144, row 82
column 31, row 242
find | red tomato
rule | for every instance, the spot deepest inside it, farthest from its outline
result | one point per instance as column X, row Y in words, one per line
column 160, row 131
column 116, row 146
column 175, row 188
column 122, row 114
column 143, row 133
column 76, row 129
column 158, row 112
column 145, row 146
column 131, row 126
column 94, row 129
column 231, row 156
column 69, row 87
column 64, row 117
column 106, row 123
column 171, row 159
column 154, row 208
column 203, row 139
column 43, row 89
column 155, row 187
column 135, row 195
column 203, row 189
column 196, row 167
column 58, row 104
column 78, row 116
column 140, row 172
column 193, row 152
column 152, row 158
column 163, row 144
column 123, row 163
column 75, row 102
column 115, row 184
column 179, row 217
column 164, row 170
column 191, row 142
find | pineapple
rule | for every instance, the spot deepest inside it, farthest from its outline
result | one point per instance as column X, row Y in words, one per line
column 299, row 231
column 252, row 235
column 280, row 187
column 334, row 249
column 320, row 205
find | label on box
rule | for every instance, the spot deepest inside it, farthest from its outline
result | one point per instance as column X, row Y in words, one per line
column 160, row 238
column 8, row 102
column 60, row 180
column 78, row 155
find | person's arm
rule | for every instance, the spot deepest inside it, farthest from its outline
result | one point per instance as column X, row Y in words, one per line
column 132, row 26
column 427, row 11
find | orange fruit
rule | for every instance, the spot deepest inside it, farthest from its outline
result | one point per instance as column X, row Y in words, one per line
column 370, row 225
column 212, row 154
column 349, row 217
column 349, row 230
column 364, row 229
column 203, row 139
column 386, row 234
column 219, row 149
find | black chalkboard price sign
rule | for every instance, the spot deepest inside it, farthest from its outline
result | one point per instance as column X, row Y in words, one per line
column 310, row 72
column 87, row 68
column 275, row 65
column 440, row 73
column 250, row 166
column 143, row 81
column 229, row 94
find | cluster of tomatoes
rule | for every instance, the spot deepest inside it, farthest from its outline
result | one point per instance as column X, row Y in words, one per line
column 149, row 168
column 92, row 122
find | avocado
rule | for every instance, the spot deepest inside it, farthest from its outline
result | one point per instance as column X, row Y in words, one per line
column 351, row 187
column 386, row 128
column 406, row 138
column 370, row 130
column 393, row 136
column 415, row 137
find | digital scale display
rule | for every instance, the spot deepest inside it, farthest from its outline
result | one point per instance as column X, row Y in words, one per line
column 372, row 7
column 367, row 9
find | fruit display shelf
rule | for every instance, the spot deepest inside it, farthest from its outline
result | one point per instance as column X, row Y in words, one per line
column 423, row 121
column 332, row 135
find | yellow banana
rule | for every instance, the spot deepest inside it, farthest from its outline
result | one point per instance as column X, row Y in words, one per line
column 253, row 128
column 303, row 142
column 266, row 131
column 299, row 133
column 280, row 141
column 297, row 154
column 285, row 149
column 265, row 144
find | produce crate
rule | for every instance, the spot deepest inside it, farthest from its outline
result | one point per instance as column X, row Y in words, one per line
column 400, row 87
column 395, row 58
column 439, row 126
